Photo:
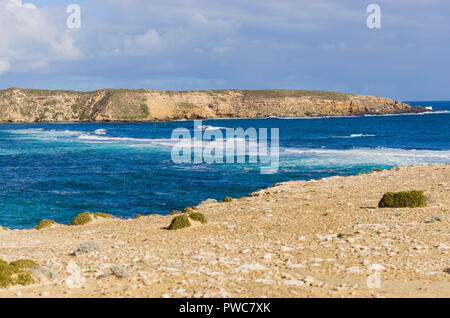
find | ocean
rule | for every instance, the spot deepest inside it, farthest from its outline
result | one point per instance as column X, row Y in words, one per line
column 55, row 171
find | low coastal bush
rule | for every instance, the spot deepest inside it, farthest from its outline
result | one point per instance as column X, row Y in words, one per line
column 82, row 218
column 405, row 199
column 87, row 217
column 189, row 209
column 175, row 212
column 227, row 199
column 102, row 215
column 44, row 224
column 23, row 263
column 16, row 273
column 179, row 222
column 138, row 216
column 197, row 216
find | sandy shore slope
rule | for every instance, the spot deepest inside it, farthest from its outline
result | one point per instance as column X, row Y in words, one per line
column 280, row 242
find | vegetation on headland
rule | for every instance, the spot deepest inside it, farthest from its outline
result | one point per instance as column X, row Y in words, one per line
column 131, row 105
column 404, row 199
column 179, row 222
column 189, row 209
column 199, row 217
column 16, row 273
column 227, row 199
column 181, row 219
column 88, row 217
column 44, row 224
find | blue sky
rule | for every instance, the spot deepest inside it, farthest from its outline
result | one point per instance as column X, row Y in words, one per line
column 248, row 44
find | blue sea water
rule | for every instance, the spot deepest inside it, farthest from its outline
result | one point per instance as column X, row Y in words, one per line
column 55, row 171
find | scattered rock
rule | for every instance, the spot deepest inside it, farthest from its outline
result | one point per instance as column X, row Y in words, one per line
column 37, row 272
column 442, row 246
column 353, row 270
column 435, row 218
column 344, row 235
column 294, row 282
column 86, row 247
column 119, row 272
column 296, row 266
column 208, row 201
column 249, row 267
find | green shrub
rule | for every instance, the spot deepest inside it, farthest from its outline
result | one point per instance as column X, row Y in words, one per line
column 82, row 219
column 145, row 110
column 410, row 199
column 44, row 223
column 5, row 274
column 23, row 263
column 227, row 199
column 197, row 216
column 175, row 212
column 23, row 278
column 179, row 222
column 138, row 216
column 87, row 217
column 16, row 273
column 102, row 215
column 189, row 209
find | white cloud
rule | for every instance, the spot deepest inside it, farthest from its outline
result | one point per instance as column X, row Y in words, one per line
column 32, row 37
column 4, row 66
column 341, row 46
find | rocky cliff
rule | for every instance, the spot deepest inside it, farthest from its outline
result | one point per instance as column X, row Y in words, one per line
column 31, row 105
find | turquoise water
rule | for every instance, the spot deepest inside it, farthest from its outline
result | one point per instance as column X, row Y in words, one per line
column 56, row 171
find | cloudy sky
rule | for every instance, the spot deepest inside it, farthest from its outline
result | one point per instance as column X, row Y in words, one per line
column 212, row 44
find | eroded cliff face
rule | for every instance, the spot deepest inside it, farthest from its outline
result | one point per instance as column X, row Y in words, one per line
column 29, row 105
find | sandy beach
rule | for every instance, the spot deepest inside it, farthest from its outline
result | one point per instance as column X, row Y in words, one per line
column 319, row 238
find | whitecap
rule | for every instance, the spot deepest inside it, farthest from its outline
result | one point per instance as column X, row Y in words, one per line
column 380, row 155
column 100, row 132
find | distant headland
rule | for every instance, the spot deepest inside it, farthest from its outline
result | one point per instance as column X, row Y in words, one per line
column 138, row 105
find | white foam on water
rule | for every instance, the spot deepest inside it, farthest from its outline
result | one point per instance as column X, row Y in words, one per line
column 209, row 127
column 312, row 157
column 100, row 132
column 381, row 155
column 41, row 134
column 360, row 135
column 114, row 139
column 355, row 136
